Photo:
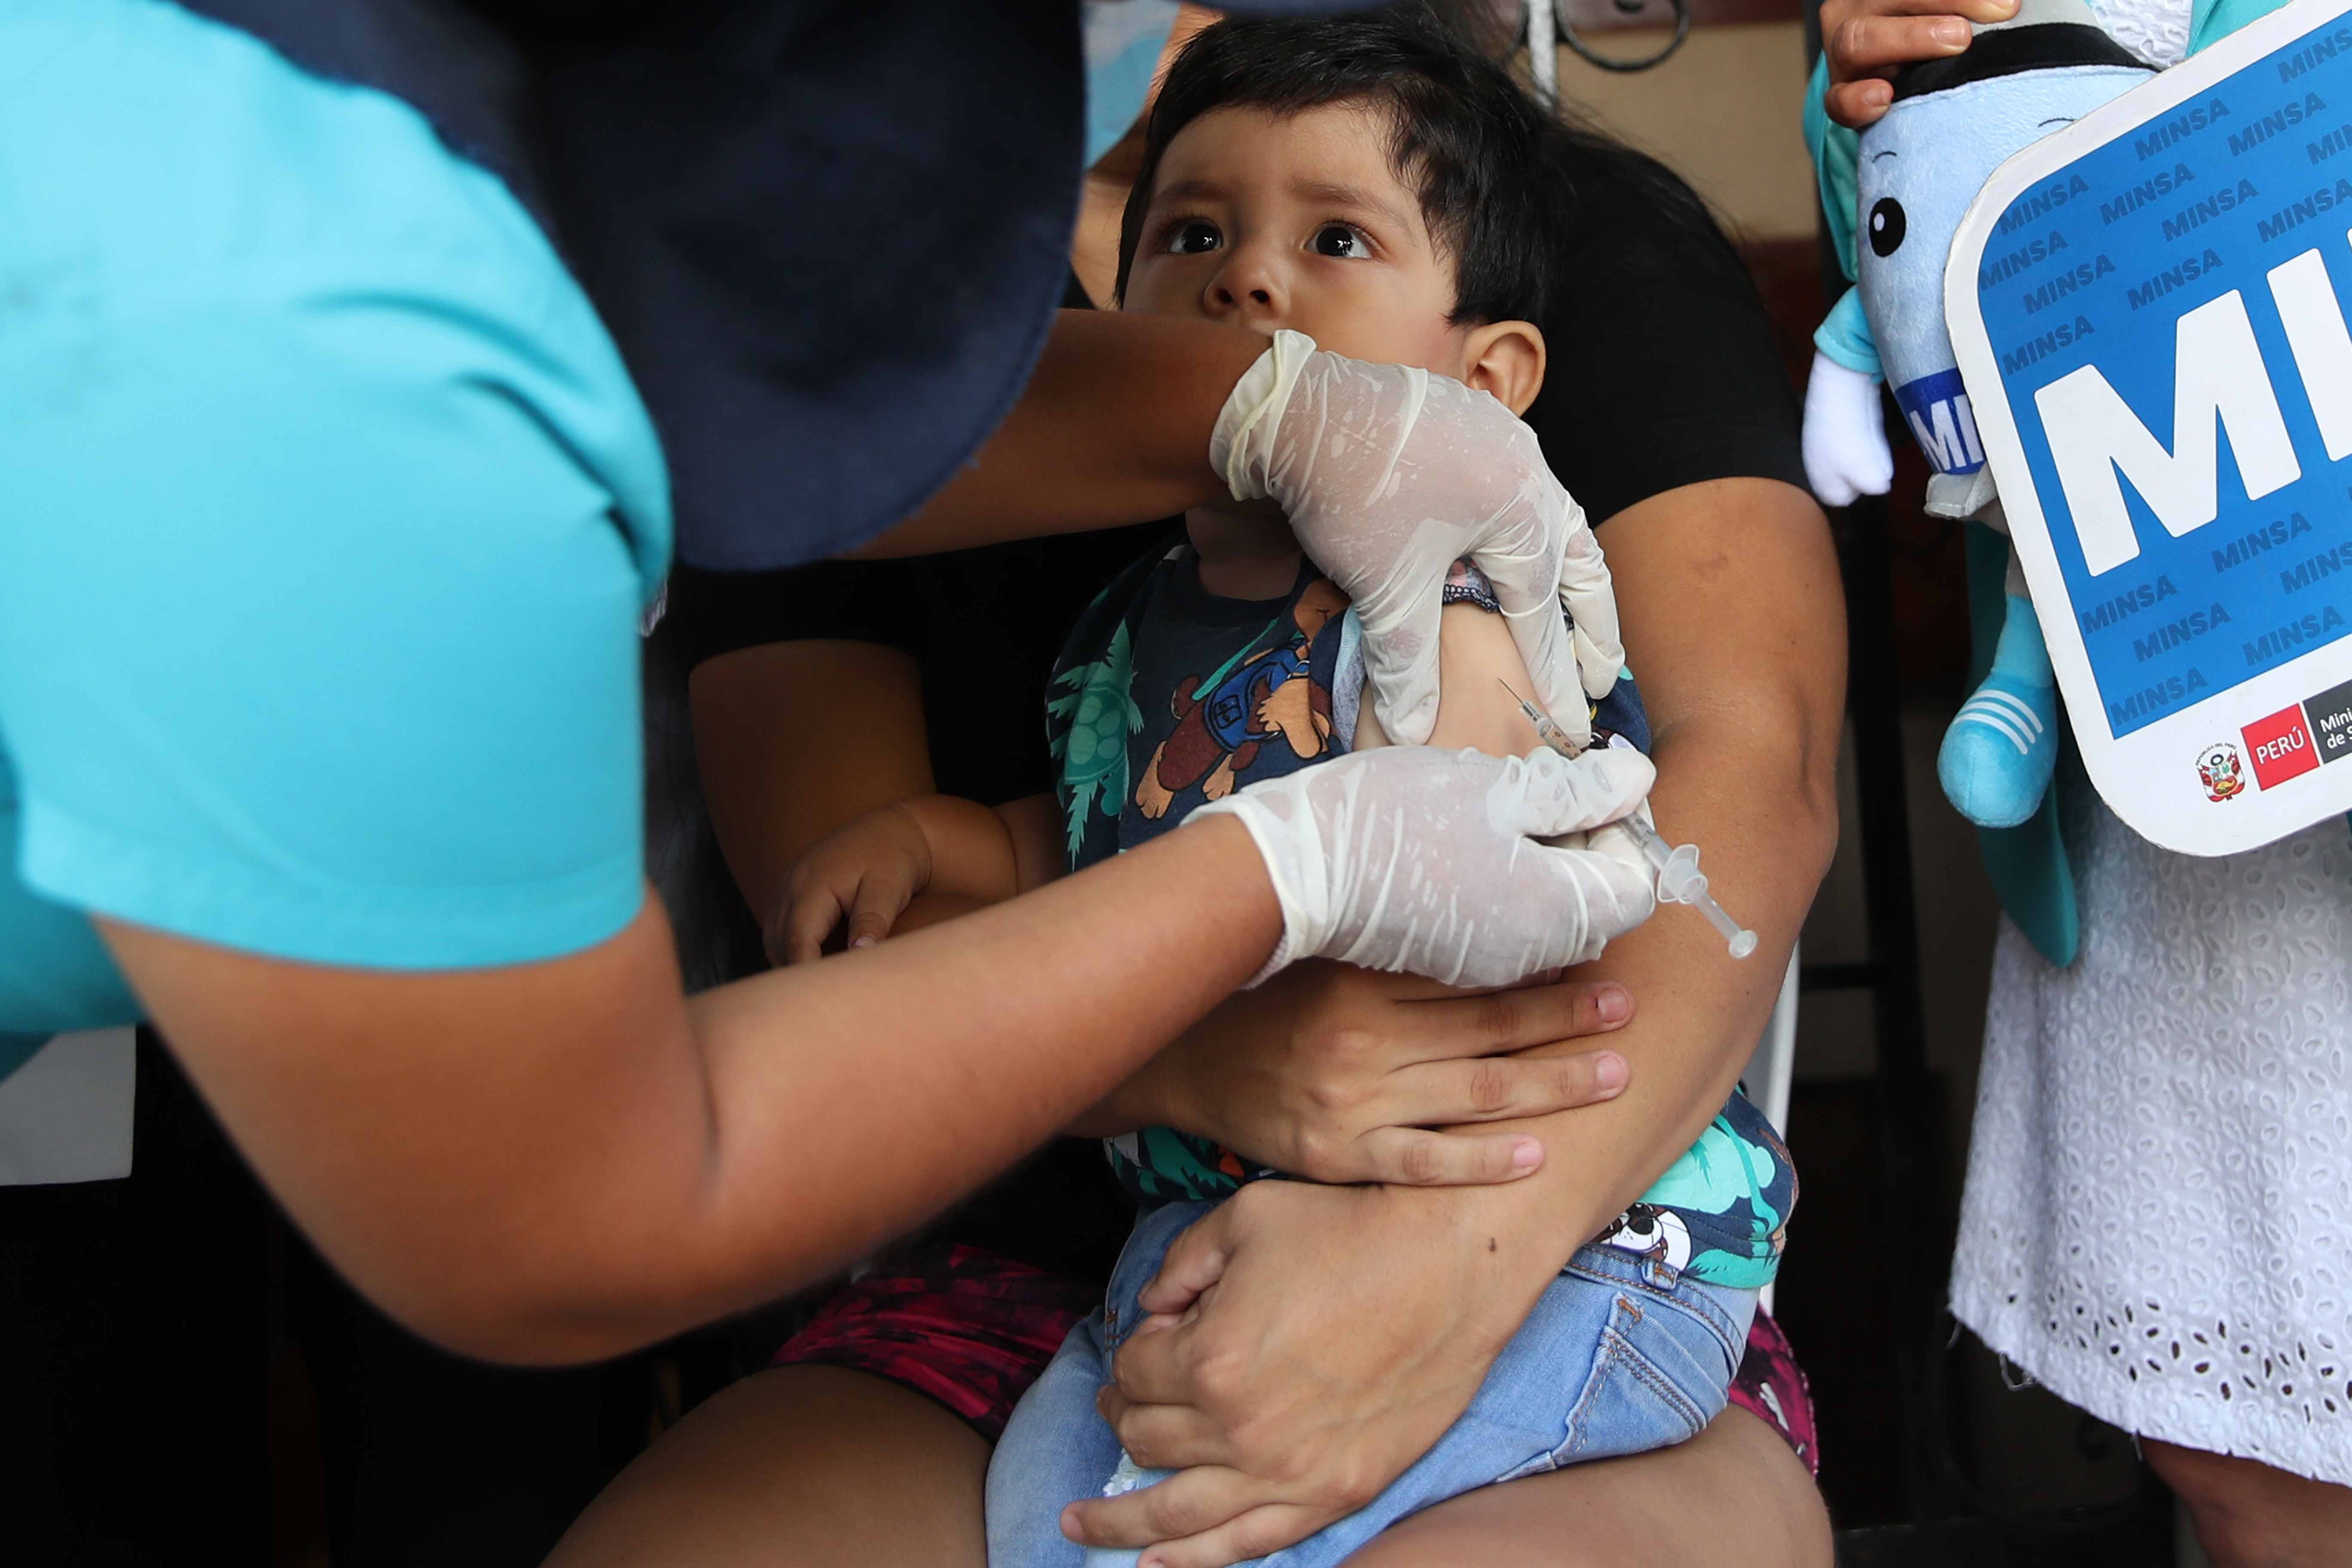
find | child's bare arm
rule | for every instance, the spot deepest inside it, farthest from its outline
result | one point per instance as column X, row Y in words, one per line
column 958, row 852
column 988, row 853
column 1476, row 655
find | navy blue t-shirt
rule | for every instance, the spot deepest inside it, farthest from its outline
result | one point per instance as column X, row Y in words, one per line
column 1167, row 696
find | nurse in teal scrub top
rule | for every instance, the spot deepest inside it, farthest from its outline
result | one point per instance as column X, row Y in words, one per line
column 329, row 507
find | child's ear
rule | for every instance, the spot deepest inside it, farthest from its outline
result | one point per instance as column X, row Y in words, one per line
column 1506, row 358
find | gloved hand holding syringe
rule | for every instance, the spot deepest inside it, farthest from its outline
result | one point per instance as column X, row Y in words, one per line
column 1680, row 881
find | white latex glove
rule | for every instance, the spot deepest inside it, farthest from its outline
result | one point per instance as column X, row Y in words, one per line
column 1421, row 859
column 1846, row 453
column 1388, row 474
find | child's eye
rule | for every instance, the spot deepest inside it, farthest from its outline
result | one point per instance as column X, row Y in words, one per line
column 1192, row 237
column 1343, row 240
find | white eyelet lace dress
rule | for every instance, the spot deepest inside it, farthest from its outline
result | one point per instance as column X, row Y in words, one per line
column 2158, row 1224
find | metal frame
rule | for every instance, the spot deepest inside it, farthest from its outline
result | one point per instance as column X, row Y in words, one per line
column 1772, row 1068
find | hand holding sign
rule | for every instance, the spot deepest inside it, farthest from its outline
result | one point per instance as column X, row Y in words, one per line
column 1866, row 42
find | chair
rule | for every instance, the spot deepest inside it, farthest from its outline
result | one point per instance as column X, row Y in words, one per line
column 1772, row 1068
column 65, row 1114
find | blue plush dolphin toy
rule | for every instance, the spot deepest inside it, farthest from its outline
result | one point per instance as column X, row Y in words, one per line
column 1953, row 122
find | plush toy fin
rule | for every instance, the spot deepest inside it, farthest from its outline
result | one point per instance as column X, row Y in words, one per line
column 1997, row 757
column 1844, row 441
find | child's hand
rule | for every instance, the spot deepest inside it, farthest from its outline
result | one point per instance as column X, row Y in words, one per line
column 865, row 873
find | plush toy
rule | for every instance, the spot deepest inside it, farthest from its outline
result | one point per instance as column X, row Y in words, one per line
column 1953, row 122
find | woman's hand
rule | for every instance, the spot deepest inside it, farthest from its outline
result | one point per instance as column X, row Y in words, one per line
column 1340, row 1074
column 1423, row 860
column 1264, row 1379
column 865, row 873
column 1867, row 41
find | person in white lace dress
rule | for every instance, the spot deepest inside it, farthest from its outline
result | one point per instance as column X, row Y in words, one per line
column 2158, row 1224
column 2158, row 1221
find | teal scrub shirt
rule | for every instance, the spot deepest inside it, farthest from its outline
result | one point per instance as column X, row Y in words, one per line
column 328, row 511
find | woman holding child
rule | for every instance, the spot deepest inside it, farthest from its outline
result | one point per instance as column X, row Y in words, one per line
column 1357, row 181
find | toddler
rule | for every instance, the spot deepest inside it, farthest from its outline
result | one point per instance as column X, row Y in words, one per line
column 1371, row 182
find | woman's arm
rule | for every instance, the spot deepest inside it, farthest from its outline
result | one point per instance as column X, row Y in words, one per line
column 1736, row 628
column 1734, row 623
column 1342, row 1088
column 561, row 1161
column 556, row 1161
column 564, row 1159
column 1112, row 428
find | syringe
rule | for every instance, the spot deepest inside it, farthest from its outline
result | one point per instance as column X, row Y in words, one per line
column 1680, row 881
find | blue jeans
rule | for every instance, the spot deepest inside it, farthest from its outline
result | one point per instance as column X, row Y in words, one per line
column 1619, row 1356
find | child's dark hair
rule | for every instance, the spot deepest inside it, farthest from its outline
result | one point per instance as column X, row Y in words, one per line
column 1461, row 133
column 1500, row 182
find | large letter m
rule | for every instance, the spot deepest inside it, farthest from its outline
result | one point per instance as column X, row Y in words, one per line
column 2218, row 375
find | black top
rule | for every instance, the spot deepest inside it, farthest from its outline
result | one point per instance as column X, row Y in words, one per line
column 1663, row 374
column 1663, row 369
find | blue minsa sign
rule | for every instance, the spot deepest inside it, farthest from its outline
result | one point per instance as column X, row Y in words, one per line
column 2167, row 317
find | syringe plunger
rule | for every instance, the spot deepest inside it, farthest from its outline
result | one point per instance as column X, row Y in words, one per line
column 1680, row 881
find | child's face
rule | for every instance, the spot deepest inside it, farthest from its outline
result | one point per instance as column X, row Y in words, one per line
column 1264, row 222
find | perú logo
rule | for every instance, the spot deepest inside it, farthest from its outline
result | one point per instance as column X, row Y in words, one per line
column 2282, row 747
column 2219, row 770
